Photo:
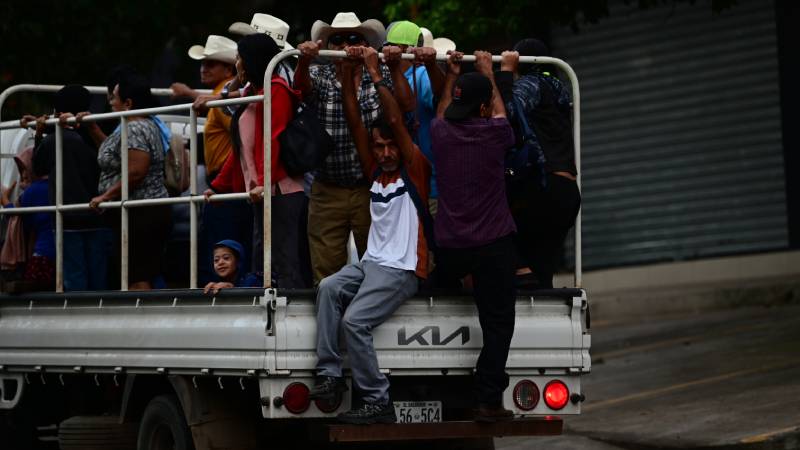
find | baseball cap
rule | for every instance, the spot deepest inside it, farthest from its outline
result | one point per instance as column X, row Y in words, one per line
column 231, row 244
column 403, row 33
column 470, row 92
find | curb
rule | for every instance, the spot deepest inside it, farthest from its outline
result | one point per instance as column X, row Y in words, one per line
column 779, row 440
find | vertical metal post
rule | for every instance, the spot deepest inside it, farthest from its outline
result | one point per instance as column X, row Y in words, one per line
column 59, row 215
column 576, row 137
column 267, row 210
column 193, row 205
column 267, row 238
column 123, row 123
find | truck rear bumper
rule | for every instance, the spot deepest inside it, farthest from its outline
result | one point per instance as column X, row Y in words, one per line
column 538, row 426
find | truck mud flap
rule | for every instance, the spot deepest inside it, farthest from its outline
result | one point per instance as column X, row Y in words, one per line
column 538, row 426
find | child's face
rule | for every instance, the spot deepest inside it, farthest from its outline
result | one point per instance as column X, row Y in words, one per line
column 225, row 263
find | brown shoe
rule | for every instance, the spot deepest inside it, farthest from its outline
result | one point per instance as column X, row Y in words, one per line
column 490, row 414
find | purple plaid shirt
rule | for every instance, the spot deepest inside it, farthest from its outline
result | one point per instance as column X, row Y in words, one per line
column 470, row 175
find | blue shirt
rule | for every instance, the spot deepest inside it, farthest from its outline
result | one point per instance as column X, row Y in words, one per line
column 426, row 112
column 37, row 194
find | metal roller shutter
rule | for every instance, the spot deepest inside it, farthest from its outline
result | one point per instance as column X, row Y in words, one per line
column 682, row 151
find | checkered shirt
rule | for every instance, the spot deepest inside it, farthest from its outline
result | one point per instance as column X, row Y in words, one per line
column 342, row 166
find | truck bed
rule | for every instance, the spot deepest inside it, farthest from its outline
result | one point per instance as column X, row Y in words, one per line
column 271, row 334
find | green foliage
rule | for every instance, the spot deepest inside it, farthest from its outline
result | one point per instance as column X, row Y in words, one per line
column 78, row 41
column 494, row 25
column 477, row 24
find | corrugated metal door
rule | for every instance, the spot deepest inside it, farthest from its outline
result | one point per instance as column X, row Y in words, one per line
column 682, row 151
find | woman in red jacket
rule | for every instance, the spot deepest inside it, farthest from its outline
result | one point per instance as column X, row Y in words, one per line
column 243, row 170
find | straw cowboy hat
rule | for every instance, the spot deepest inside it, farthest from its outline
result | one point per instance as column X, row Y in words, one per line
column 443, row 45
column 427, row 37
column 272, row 26
column 372, row 30
column 217, row 48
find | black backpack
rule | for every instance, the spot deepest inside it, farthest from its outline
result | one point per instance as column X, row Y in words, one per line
column 304, row 143
column 525, row 161
column 553, row 131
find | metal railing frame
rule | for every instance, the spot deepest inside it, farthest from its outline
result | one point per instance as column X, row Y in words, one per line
column 124, row 203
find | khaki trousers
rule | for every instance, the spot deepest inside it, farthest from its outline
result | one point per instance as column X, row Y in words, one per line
column 333, row 212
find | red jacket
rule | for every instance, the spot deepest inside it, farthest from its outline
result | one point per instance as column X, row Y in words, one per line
column 284, row 101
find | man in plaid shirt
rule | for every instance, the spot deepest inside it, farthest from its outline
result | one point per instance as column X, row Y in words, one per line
column 340, row 195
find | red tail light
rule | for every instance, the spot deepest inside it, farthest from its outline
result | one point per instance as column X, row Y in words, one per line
column 329, row 405
column 556, row 394
column 295, row 398
column 526, row 395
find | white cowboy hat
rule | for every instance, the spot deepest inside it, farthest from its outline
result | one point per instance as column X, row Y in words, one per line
column 218, row 48
column 272, row 26
column 427, row 37
column 372, row 29
column 442, row 45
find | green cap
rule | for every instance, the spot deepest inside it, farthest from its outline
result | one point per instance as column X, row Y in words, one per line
column 403, row 33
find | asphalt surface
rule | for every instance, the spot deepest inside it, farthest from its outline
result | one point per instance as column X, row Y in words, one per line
column 726, row 379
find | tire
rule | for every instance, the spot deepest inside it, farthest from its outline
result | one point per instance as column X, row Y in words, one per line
column 163, row 426
column 96, row 433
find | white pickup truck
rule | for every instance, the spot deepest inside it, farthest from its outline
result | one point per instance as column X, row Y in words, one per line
column 234, row 370
column 179, row 369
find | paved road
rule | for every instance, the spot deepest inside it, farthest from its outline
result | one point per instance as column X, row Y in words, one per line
column 721, row 379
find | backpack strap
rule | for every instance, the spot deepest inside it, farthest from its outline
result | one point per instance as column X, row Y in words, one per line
column 279, row 80
column 519, row 113
column 535, row 153
column 422, row 209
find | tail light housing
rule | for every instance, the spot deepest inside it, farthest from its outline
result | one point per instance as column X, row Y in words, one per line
column 526, row 395
column 329, row 405
column 556, row 394
column 295, row 398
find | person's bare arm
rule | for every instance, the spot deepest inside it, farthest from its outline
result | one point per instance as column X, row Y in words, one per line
column 302, row 79
column 402, row 91
column 391, row 110
column 351, row 110
column 214, row 288
column 453, row 71
column 94, row 130
column 483, row 64
column 427, row 56
column 181, row 90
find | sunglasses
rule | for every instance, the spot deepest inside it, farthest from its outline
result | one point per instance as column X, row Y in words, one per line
column 349, row 38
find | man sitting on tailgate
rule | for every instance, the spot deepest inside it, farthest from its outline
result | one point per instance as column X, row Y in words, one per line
column 363, row 295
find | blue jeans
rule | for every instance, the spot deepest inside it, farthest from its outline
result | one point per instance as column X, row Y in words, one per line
column 86, row 259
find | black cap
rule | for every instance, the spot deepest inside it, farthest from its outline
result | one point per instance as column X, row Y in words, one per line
column 531, row 47
column 72, row 98
column 470, row 92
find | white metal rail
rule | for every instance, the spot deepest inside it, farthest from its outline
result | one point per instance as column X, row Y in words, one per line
column 124, row 203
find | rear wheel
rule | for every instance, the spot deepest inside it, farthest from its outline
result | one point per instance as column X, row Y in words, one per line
column 163, row 426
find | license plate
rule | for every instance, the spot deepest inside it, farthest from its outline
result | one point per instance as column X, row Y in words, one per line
column 418, row 412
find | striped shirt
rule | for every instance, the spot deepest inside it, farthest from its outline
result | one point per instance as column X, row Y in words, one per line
column 396, row 235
